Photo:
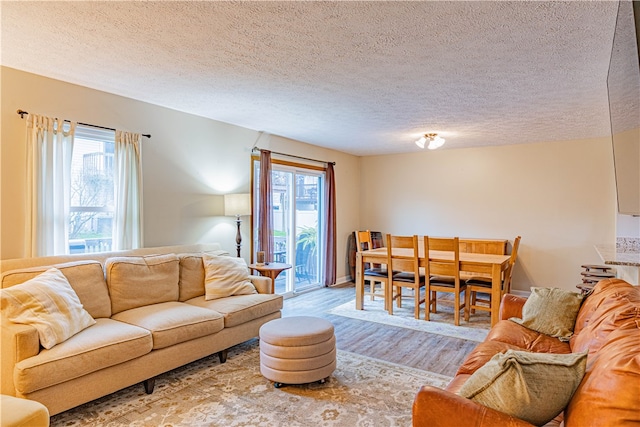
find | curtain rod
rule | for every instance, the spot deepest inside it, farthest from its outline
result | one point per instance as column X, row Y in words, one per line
column 293, row 155
column 22, row 113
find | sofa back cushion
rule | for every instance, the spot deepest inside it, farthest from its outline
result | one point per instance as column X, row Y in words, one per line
column 85, row 277
column 609, row 394
column 138, row 281
column 608, row 325
column 192, row 274
column 191, row 281
column 613, row 304
column 600, row 303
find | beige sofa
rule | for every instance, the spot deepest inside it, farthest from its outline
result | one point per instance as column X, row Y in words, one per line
column 140, row 331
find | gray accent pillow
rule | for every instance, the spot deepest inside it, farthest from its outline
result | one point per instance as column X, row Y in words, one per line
column 534, row 387
column 551, row 311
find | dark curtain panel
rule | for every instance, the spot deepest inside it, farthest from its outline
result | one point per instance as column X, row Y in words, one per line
column 265, row 220
column 330, row 264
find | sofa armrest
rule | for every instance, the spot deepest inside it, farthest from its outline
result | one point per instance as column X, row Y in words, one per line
column 19, row 342
column 262, row 284
column 434, row 407
column 511, row 306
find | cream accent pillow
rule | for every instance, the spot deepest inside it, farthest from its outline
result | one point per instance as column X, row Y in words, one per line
column 192, row 274
column 48, row 303
column 226, row 276
column 534, row 387
column 551, row 311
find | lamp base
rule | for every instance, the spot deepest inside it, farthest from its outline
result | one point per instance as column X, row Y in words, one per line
column 238, row 235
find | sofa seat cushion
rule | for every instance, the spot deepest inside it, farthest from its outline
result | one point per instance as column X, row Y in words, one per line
column 173, row 322
column 526, row 339
column 107, row 343
column 239, row 309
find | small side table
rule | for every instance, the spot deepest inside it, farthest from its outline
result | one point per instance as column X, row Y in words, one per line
column 271, row 270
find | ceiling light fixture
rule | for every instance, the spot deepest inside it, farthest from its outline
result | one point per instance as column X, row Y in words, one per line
column 434, row 141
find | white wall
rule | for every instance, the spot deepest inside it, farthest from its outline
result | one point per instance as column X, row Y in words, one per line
column 628, row 226
column 560, row 197
column 188, row 164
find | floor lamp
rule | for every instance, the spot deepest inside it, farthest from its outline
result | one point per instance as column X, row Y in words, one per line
column 237, row 205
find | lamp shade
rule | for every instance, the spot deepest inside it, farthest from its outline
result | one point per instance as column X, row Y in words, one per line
column 237, row 204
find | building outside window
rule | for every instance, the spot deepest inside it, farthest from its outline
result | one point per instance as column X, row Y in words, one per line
column 92, row 191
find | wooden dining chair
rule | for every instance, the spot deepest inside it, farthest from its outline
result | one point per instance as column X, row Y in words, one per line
column 481, row 246
column 444, row 276
column 374, row 274
column 482, row 285
column 404, row 271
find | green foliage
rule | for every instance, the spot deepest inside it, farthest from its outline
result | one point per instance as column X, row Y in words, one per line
column 308, row 238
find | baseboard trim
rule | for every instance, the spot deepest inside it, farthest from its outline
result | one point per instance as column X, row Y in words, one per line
column 519, row 293
column 343, row 280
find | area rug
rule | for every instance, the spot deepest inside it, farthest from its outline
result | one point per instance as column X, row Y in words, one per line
column 441, row 323
column 361, row 392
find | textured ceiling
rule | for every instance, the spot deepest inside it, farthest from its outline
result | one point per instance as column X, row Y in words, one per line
column 360, row 77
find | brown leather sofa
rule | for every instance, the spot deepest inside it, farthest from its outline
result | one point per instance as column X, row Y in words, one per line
column 608, row 325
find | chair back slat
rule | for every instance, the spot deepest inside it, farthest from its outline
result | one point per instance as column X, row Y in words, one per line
column 401, row 241
column 445, row 275
column 445, row 267
column 363, row 240
column 404, row 270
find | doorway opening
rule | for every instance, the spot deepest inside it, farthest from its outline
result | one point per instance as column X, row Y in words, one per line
column 298, row 224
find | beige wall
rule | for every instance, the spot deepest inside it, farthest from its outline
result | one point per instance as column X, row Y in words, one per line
column 626, row 149
column 560, row 197
column 188, row 163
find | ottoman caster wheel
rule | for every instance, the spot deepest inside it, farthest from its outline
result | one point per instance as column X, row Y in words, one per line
column 322, row 381
column 278, row 385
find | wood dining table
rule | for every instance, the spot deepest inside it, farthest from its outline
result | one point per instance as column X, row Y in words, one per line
column 490, row 264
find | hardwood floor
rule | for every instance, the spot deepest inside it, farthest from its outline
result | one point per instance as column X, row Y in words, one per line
column 430, row 352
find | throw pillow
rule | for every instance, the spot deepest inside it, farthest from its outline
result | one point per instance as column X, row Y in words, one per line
column 48, row 303
column 226, row 276
column 551, row 311
column 534, row 387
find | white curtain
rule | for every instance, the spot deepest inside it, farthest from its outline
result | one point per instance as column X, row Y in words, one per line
column 49, row 150
column 127, row 177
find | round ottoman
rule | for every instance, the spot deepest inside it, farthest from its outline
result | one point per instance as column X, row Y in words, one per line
column 297, row 350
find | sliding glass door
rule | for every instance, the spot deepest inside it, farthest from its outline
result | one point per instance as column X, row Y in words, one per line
column 298, row 226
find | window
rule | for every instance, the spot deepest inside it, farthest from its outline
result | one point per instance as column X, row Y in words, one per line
column 92, row 190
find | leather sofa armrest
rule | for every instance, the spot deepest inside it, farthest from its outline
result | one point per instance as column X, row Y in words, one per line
column 19, row 342
column 434, row 407
column 262, row 284
column 511, row 306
